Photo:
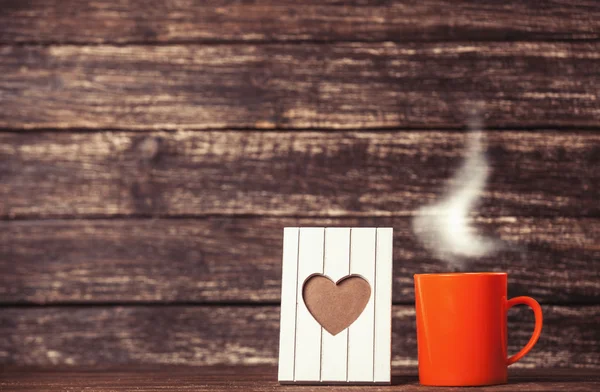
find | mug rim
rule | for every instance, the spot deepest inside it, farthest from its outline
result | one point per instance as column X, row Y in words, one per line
column 454, row 274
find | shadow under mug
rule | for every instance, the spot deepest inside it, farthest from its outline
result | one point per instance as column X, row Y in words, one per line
column 461, row 328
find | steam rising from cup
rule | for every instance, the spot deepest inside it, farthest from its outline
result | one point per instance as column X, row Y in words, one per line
column 444, row 228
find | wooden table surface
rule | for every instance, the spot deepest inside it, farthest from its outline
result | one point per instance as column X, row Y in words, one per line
column 249, row 379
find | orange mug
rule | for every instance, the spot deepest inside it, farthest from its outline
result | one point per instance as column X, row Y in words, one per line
column 461, row 328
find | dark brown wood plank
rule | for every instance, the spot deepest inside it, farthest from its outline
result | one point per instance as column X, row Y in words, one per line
column 347, row 85
column 239, row 259
column 127, row 21
column 215, row 335
column 186, row 173
column 258, row 379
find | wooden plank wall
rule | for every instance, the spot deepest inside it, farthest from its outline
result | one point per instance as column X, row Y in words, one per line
column 152, row 151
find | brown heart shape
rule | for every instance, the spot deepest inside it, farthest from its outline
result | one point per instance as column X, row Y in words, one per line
column 336, row 305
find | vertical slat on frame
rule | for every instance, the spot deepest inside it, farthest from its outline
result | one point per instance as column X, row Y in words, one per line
column 361, row 332
column 337, row 262
column 383, row 306
column 308, row 336
column 287, row 329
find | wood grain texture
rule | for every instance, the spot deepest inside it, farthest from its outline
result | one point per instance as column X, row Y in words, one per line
column 239, row 259
column 186, row 173
column 117, row 110
column 257, row 379
column 141, row 21
column 346, row 85
column 182, row 335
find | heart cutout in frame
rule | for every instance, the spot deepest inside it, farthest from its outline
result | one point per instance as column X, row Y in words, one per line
column 336, row 305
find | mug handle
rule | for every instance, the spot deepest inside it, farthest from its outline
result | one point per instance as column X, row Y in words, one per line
column 537, row 311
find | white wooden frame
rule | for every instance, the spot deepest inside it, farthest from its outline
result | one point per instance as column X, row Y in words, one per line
column 362, row 352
